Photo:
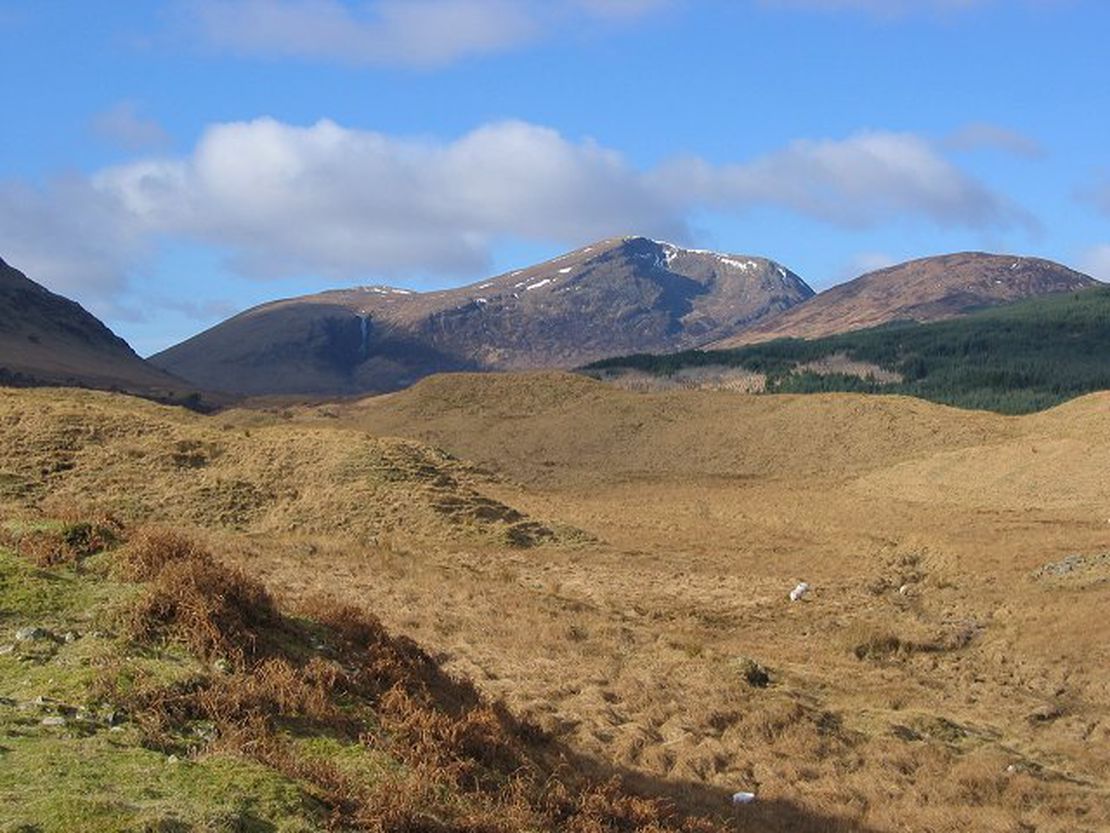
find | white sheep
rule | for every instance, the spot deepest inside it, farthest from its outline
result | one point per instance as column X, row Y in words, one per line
column 799, row 591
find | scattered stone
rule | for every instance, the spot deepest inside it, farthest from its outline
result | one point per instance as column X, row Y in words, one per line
column 172, row 759
column 1073, row 564
column 904, row 590
column 1045, row 714
column 799, row 591
column 7, row 649
column 904, row 733
column 32, row 634
column 70, row 636
column 54, row 720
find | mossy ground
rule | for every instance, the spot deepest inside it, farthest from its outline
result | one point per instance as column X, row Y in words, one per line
column 86, row 774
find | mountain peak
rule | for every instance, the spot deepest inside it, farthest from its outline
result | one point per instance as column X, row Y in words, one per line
column 614, row 296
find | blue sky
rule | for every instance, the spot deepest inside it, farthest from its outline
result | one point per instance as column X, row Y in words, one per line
column 167, row 164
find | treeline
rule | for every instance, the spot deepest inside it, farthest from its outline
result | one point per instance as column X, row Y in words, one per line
column 1013, row 359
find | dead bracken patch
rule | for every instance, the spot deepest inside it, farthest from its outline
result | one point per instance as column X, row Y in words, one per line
column 465, row 764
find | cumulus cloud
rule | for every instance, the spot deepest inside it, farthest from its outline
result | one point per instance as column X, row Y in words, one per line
column 980, row 135
column 422, row 33
column 324, row 200
column 123, row 126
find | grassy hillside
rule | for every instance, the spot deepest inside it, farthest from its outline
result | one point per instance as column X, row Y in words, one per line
column 150, row 687
column 947, row 671
column 1015, row 359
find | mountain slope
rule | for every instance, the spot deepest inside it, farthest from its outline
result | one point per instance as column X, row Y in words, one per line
column 46, row 339
column 1014, row 358
column 929, row 289
column 616, row 296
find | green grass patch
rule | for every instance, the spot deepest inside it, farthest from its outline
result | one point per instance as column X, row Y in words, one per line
column 85, row 774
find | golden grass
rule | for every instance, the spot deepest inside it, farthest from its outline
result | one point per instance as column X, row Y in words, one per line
column 920, row 527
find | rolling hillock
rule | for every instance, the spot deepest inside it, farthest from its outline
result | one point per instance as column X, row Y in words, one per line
column 245, row 471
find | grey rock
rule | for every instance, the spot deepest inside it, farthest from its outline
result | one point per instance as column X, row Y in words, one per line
column 1045, row 714
column 54, row 720
column 32, row 634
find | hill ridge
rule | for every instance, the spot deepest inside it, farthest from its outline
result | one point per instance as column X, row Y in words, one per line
column 611, row 296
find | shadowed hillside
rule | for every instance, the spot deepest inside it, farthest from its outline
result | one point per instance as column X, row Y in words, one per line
column 46, row 339
column 612, row 297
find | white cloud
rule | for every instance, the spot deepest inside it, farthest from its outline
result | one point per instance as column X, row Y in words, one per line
column 865, row 262
column 350, row 205
column 422, row 33
column 325, row 199
column 862, row 180
column 70, row 236
column 978, row 135
column 122, row 125
column 1096, row 262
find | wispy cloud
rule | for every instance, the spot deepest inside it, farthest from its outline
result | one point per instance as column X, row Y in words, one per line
column 984, row 135
column 1096, row 193
column 325, row 200
column 123, row 126
column 859, row 181
column 1096, row 262
column 893, row 9
column 420, row 33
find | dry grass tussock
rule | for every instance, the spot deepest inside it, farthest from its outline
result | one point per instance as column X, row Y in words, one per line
column 462, row 764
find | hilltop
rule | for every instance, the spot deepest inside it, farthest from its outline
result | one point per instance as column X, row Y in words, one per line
column 46, row 339
column 615, row 296
column 927, row 289
column 1015, row 358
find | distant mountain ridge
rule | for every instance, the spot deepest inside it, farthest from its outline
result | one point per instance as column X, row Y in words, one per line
column 927, row 289
column 47, row 339
column 616, row 296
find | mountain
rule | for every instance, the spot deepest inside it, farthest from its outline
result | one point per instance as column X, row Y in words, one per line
column 617, row 296
column 929, row 289
column 46, row 339
column 1012, row 358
